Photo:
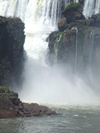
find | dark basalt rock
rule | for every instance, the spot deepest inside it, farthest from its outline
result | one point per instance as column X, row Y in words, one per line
column 11, row 49
column 73, row 12
column 38, row 110
column 11, row 106
column 62, row 24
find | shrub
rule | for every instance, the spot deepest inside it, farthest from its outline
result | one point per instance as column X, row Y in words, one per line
column 72, row 6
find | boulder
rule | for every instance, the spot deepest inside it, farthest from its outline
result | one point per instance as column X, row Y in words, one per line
column 38, row 110
column 62, row 24
column 73, row 12
column 11, row 106
column 94, row 20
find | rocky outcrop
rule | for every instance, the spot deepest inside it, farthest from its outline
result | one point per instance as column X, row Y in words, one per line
column 11, row 49
column 79, row 35
column 38, row 110
column 73, row 12
column 62, row 24
column 11, row 106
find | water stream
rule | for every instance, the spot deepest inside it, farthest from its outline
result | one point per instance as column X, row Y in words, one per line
column 76, row 55
column 91, row 47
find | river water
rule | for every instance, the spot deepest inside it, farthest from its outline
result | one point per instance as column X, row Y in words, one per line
column 71, row 119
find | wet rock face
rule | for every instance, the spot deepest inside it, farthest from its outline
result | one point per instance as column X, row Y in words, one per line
column 84, row 32
column 62, row 24
column 11, row 106
column 66, row 51
column 11, row 48
column 82, row 3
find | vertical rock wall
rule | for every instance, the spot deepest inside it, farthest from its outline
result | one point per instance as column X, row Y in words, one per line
column 11, row 49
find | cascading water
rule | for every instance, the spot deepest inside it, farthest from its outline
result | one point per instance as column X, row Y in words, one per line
column 91, row 7
column 43, row 83
column 91, row 47
column 76, row 0
column 76, row 56
column 56, row 45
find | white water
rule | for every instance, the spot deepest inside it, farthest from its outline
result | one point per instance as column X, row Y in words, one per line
column 91, row 7
column 76, row 56
column 91, row 47
column 42, row 83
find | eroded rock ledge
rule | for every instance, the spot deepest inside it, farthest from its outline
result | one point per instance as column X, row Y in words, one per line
column 11, row 106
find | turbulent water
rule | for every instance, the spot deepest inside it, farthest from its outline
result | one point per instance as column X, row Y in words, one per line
column 74, row 120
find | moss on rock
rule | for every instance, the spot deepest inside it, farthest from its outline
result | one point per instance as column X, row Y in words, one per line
column 5, row 92
column 73, row 12
column 72, row 6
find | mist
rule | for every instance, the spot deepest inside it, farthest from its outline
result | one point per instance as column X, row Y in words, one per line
column 54, row 84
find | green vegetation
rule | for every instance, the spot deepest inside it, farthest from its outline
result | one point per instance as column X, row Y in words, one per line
column 7, row 95
column 57, row 34
column 72, row 6
column 2, row 20
column 4, row 71
column 4, row 88
column 5, row 92
column 58, row 41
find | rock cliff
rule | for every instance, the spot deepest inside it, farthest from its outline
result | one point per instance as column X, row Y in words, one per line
column 76, row 37
column 11, row 49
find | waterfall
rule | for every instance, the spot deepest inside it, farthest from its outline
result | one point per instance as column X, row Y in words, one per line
column 40, row 17
column 91, row 47
column 76, row 1
column 92, row 77
column 91, row 7
column 44, row 83
column 3, row 5
column 76, row 53
column 44, row 11
column 56, row 45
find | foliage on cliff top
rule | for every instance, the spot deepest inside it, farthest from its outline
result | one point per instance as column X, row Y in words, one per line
column 72, row 6
column 5, row 92
column 3, row 87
